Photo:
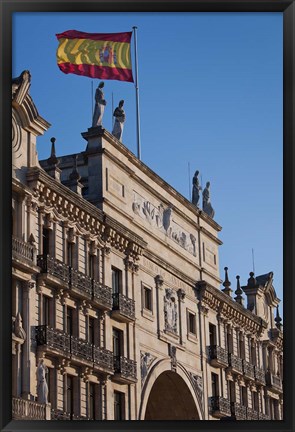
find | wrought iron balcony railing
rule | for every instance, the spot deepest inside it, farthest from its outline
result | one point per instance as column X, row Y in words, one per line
column 126, row 368
column 124, row 306
column 54, row 267
column 218, row 356
column 79, row 283
column 23, row 409
column 274, row 382
column 22, row 249
column 57, row 414
column 251, row 414
column 259, row 375
column 102, row 295
column 262, row 416
column 70, row 346
column 219, row 407
column 235, row 363
column 248, row 369
column 238, row 411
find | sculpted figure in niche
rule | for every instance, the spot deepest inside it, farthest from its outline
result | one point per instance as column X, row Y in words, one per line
column 100, row 104
column 146, row 360
column 196, row 189
column 207, row 207
column 120, row 118
column 42, row 388
column 170, row 311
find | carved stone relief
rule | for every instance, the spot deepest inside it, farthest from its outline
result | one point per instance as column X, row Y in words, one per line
column 170, row 311
column 146, row 359
column 162, row 219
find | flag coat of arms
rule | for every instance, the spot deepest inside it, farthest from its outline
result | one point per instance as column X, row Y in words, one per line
column 96, row 55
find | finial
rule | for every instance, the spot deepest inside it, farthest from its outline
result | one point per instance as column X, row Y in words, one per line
column 278, row 319
column 74, row 174
column 252, row 281
column 227, row 290
column 238, row 292
column 52, row 160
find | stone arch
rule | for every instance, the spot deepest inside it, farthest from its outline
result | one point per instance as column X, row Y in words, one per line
column 180, row 390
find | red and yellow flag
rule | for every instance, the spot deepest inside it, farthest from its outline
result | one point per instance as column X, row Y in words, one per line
column 97, row 55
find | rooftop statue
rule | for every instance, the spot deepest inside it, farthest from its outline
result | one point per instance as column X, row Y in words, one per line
column 100, row 103
column 207, row 207
column 120, row 117
column 196, row 189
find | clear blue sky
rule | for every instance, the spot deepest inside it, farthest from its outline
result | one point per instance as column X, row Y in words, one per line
column 210, row 98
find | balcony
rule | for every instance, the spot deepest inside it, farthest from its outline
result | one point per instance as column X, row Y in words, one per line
column 22, row 250
column 235, row 363
column 56, row 271
column 218, row 356
column 123, row 308
column 76, row 349
column 251, row 414
column 60, row 415
column 219, row 407
column 102, row 296
column 238, row 411
column 274, row 382
column 259, row 375
column 248, row 370
column 80, row 283
column 23, row 409
column 125, row 370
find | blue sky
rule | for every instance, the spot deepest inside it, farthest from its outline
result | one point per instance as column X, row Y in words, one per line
column 210, row 99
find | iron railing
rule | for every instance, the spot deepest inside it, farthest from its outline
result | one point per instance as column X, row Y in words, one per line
column 248, row 369
column 102, row 294
column 219, row 406
column 57, row 414
column 235, row 363
column 262, row 416
column 125, row 367
column 251, row 414
column 73, row 346
column 54, row 267
column 238, row 411
column 218, row 355
column 80, row 283
column 273, row 381
column 124, row 305
column 259, row 374
column 22, row 249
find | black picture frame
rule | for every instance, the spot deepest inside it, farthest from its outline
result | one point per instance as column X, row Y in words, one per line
column 7, row 8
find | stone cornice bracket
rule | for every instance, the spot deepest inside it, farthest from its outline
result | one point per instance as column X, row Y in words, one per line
column 159, row 281
column 203, row 309
column 28, row 285
column 181, row 294
column 61, row 367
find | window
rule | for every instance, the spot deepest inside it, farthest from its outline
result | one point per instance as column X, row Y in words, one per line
column 91, row 323
column 92, row 400
column 69, row 320
column 46, row 310
column 214, row 384
column 232, row 391
column 253, row 354
column 229, row 339
column 117, row 342
column 119, row 406
column 91, row 262
column 241, row 346
column 70, row 254
column 212, row 334
column 116, row 280
column 45, row 241
column 244, row 396
column 70, row 394
column 147, row 298
column 255, row 401
column 192, row 323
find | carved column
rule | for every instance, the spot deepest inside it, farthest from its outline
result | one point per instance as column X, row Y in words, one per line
column 181, row 297
column 159, row 284
column 28, row 368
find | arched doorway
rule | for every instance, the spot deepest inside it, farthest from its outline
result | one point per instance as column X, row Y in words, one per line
column 170, row 399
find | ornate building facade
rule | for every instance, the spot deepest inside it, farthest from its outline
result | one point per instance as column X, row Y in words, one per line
column 118, row 308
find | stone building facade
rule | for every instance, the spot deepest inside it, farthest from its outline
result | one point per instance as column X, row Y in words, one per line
column 116, row 286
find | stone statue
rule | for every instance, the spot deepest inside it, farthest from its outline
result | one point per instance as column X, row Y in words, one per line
column 18, row 327
column 42, row 388
column 207, row 207
column 120, row 117
column 170, row 311
column 196, row 189
column 100, row 103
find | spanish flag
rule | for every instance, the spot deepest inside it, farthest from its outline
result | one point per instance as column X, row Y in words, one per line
column 96, row 55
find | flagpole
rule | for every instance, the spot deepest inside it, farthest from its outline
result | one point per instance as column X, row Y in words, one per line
column 137, row 95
